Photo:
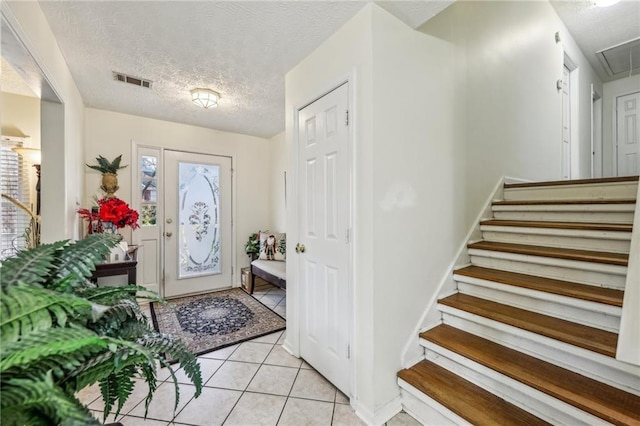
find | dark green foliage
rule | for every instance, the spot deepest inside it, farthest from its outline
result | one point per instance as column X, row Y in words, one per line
column 106, row 166
column 59, row 333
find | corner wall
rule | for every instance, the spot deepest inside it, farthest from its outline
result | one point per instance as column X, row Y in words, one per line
column 278, row 200
column 62, row 155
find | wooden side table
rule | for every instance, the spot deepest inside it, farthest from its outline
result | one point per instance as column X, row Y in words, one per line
column 128, row 267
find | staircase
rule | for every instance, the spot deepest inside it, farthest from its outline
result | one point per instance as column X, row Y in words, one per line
column 530, row 335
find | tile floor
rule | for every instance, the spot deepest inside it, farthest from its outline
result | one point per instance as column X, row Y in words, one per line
column 253, row 383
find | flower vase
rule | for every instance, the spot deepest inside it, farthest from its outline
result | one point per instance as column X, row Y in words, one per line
column 109, row 228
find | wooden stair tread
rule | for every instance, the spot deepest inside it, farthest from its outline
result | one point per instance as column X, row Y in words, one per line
column 591, row 293
column 555, row 252
column 601, row 400
column 590, row 338
column 560, row 202
column 616, row 227
column 572, row 182
column 464, row 398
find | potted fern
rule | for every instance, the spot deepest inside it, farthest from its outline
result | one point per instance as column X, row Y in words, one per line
column 60, row 333
column 109, row 170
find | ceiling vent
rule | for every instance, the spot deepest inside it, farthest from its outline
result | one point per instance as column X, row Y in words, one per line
column 621, row 60
column 136, row 81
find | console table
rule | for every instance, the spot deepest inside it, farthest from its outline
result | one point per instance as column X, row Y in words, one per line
column 127, row 267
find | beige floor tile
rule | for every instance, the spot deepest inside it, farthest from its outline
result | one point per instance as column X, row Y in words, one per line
column 273, row 379
column 89, row 394
column 163, row 373
column 281, row 310
column 140, row 421
column 271, row 299
column 306, row 366
column 341, row 398
column 207, row 367
column 139, row 394
column 343, row 415
column 211, row 408
column 278, row 356
column 269, row 338
column 233, row 375
column 282, row 338
column 256, row 409
column 299, row 412
column 161, row 408
column 311, row 385
column 403, row 419
column 251, row 352
column 223, row 353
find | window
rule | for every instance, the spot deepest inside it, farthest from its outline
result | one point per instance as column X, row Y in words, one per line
column 15, row 223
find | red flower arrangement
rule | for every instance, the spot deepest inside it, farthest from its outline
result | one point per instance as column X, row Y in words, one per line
column 112, row 210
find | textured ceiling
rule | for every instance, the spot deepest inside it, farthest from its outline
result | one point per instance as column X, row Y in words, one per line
column 596, row 28
column 12, row 82
column 242, row 49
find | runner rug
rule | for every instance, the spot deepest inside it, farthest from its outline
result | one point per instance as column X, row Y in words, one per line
column 212, row 321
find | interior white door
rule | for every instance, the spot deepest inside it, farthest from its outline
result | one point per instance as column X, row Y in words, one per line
column 324, row 181
column 628, row 134
column 197, row 229
column 566, row 124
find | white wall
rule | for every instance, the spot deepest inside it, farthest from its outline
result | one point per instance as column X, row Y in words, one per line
column 21, row 117
column 110, row 134
column 278, row 163
column 513, row 109
column 62, row 183
column 612, row 90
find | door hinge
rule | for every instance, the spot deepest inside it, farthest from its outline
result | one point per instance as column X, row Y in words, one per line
column 348, row 351
column 347, row 236
column 346, row 117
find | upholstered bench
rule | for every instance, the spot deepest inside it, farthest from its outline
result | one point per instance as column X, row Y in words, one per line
column 270, row 262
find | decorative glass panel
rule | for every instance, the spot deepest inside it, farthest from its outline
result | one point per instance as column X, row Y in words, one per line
column 149, row 214
column 149, row 189
column 199, row 211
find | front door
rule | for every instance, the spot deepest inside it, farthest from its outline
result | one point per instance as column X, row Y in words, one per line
column 324, row 182
column 197, row 229
column 566, row 124
column 628, row 134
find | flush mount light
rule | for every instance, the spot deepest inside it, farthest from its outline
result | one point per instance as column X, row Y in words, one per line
column 205, row 98
column 605, row 3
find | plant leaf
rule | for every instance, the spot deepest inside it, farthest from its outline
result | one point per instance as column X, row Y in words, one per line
column 30, row 266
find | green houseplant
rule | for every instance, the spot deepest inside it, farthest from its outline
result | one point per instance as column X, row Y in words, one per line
column 252, row 246
column 61, row 333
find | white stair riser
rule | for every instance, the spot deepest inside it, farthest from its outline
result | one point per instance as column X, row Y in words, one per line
column 537, row 403
column 612, row 242
column 591, row 273
column 599, row 367
column 563, row 216
column 564, row 308
column 602, row 191
column 426, row 410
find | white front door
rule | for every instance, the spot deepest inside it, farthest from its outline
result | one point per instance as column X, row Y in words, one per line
column 628, row 134
column 324, row 217
column 197, row 229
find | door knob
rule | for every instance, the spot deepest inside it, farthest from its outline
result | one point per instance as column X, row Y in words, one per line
column 300, row 248
column 168, row 233
column 169, row 220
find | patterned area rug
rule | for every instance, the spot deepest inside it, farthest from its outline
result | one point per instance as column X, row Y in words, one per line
column 212, row 321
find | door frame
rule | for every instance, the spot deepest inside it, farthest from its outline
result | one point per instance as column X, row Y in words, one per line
column 135, row 203
column 596, row 133
column 292, row 340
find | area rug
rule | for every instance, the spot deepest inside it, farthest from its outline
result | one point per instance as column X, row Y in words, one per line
column 212, row 321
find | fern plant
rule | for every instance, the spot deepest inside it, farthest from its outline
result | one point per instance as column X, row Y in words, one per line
column 59, row 333
column 106, row 166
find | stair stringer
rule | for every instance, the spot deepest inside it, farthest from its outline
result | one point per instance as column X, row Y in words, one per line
column 413, row 352
column 596, row 366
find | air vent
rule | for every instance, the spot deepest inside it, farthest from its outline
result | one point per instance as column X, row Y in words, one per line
column 621, row 60
column 136, row 81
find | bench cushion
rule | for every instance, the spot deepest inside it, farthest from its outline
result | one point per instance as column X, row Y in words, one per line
column 278, row 269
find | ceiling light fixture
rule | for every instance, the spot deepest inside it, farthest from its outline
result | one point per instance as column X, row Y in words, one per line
column 605, row 3
column 205, row 98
